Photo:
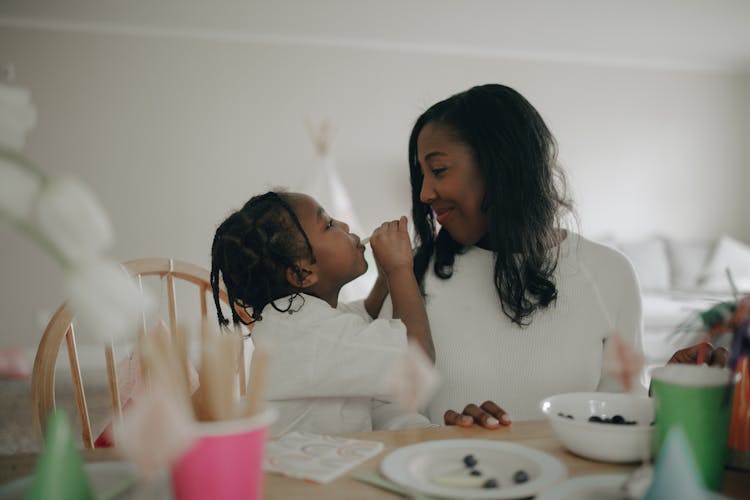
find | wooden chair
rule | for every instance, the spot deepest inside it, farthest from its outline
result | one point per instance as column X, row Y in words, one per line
column 61, row 327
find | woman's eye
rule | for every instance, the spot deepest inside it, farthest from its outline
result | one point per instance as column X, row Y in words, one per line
column 437, row 172
column 330, row 224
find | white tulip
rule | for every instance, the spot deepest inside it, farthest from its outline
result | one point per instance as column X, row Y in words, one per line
column 17, row 116
column 72, row 219
column 107, row 301
column 19, row 188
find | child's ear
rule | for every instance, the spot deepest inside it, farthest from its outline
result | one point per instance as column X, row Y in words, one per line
column 302, row 274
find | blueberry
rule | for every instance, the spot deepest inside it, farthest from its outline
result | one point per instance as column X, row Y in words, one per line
column 475, row 472
column 490, row 483
column 595, row 418
column 520, row 476
column 617, row 419
column 470, row 461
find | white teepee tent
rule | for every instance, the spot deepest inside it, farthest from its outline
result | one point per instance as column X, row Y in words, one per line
column 325, row 185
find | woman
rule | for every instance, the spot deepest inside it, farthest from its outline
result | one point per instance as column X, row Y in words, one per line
column 519, row 307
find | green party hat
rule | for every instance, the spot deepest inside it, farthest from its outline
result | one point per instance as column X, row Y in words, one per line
column 58, row 474
column 676, row 474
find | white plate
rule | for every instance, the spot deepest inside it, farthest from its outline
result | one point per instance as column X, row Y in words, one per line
column 593, row 487
column 415, row 467
column 597, row 487
column 103, row 477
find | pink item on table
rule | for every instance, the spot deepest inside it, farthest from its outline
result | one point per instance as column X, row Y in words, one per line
column 622, row 361
column 226, row 462
column 106, row 438
column 129, row 375
column 156, row 431
column 14, row 363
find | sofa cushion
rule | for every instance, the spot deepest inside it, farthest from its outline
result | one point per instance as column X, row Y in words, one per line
column 687, row 260
column 728, row 254
column 649, row 259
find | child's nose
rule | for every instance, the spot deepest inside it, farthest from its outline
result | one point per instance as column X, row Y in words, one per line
column 346, row 226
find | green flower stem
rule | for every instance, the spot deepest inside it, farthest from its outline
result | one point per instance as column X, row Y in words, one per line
column 37, row 236
column 24, row 162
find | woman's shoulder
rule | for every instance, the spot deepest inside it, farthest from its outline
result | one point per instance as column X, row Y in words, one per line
column 594, row 255
column 600, row 262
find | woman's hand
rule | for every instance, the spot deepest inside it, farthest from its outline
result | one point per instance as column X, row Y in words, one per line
column 711, row 356
column 489, row 415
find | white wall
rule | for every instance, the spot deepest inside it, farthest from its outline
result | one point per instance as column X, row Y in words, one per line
column 746, row 215
column 173, row 133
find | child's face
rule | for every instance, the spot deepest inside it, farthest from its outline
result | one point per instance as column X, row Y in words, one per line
column 339, row 256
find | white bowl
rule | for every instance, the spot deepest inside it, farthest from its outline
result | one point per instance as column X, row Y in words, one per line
column 602, row 441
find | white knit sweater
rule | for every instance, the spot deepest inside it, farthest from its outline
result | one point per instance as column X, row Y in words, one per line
column 482, row 355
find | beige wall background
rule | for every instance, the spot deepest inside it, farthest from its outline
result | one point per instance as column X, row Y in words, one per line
column 173, row 130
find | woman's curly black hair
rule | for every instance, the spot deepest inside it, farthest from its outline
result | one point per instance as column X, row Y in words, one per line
column 525, row 195
column 251, row 252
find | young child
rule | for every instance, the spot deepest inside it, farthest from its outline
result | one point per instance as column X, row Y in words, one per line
column 284, row 260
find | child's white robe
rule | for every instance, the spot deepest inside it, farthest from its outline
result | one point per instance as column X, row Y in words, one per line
column 328, row 367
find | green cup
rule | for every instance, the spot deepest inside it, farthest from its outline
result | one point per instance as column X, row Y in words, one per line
column 694, row 397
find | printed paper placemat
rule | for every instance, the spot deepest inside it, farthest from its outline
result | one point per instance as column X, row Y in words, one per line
column 316, row 457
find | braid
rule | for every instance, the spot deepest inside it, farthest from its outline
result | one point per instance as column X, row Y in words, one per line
column 251, row 252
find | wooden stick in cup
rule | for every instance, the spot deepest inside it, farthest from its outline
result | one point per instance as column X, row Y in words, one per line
column 200, row 402
column 241, row 361
column 218, row 381
column 258, row 368
column 182, row 346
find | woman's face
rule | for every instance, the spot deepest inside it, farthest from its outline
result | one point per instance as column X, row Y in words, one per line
column 452, row 184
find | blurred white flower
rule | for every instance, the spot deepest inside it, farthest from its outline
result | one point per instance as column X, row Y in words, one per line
column 17, row 116
column 72, row 219
column 413, row 380
column 621, row 361
column 66, row 220
column 19, row 188
column 106, row 300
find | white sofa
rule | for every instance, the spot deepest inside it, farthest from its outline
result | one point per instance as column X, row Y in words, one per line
column 679, row 278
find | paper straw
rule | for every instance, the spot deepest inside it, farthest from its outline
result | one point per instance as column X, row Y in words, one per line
column 258, row 365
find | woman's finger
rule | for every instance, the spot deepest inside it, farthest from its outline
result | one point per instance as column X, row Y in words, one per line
column 688, row 355
column 450, row 417
column 711, row 356
column 481, row 417
column 493, row 409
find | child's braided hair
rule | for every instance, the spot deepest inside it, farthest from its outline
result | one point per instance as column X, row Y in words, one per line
column 251, row 252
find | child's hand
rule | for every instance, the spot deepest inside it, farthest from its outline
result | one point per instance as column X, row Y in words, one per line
column 391, row 247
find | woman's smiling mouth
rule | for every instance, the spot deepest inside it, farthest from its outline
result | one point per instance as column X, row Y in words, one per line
column 442, row 214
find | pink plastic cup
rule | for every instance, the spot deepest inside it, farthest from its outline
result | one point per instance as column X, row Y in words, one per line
column 225, row 463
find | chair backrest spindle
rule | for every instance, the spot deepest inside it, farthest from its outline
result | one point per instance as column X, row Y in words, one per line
column 61, row 326
column 80, row 395
column 114, row 385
